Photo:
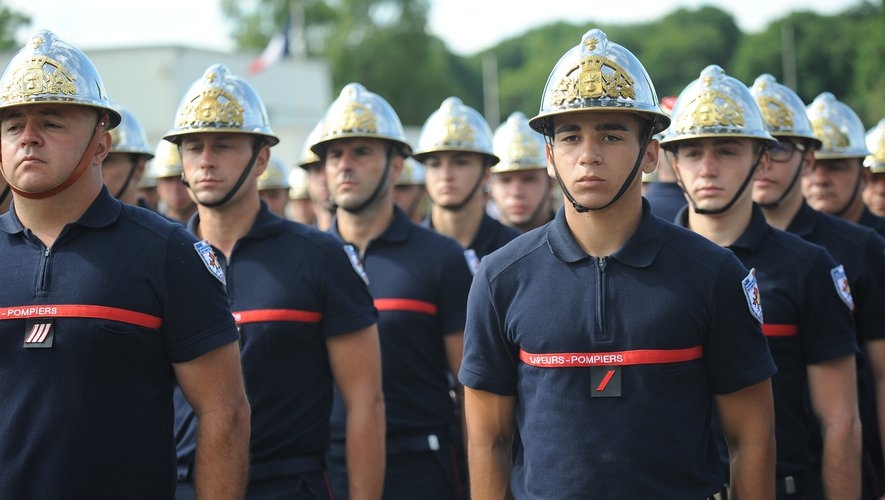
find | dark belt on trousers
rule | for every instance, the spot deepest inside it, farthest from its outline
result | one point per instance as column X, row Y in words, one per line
column 270, row 470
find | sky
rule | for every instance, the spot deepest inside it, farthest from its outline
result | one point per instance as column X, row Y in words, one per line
column 466, row 26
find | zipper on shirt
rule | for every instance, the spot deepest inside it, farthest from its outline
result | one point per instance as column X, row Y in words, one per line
column 601, row 333
column 43, row 272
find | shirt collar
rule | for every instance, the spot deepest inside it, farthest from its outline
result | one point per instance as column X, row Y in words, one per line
column 103, row 211
column 752, row 235
column 639, row 250
column 397, row 231
column 266, row 224
column 804, row 221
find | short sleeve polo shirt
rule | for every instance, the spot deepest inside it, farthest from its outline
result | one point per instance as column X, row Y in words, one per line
column 614, row 361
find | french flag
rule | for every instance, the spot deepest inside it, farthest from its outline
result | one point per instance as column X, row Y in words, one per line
column 277, row 48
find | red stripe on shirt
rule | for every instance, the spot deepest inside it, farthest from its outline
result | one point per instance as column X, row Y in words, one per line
column 264, row 315
column 620, row 358
column 409, row 305
column 80, row 311
column 775, row 330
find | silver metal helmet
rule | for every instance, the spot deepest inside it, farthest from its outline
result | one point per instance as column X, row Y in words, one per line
column 598, row 75
column 412, row 173
column 221, row 102
column 518, row 146
column 360, row 113
column 298, row 184
column 49, row 70
column 838, row 127
column 455, row 127
column 308, row 158
column 129, row 136
column 782, row 110
column 275, row 176
column 166, row 162
column 716, row 105
column 875, row 140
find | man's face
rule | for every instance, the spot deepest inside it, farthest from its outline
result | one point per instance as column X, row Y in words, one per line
column 452, row 176
column 276, row 200
column 521, row 195
column 174, row 195
column 713, row 169
column 42, row 144
column 830, row 184
column 318, row 187
column 213, row 162
column 595, row 152
column 355, row 166
column 116, row 168
column 874, row 193
column 773, row 178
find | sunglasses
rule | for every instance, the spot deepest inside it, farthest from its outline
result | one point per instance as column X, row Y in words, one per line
column 783, row 151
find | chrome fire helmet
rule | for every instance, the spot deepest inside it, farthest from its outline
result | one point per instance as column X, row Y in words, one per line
column 518, row 146
column 838, row 127
column 275, row 176
column 129, row 136
column 782, row 110
column 875, row 140
column 455, row 127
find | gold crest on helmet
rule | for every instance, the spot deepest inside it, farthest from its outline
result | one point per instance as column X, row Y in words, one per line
column 599, row 77
column 457, row 132
column 39, row 75
column 215, row 106
column 710, row 109
column 776, row 114
column 356, row 118
column 830, row 134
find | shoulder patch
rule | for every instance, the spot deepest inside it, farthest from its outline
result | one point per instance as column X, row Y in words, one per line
column 840, row 281
column 751, row 292
column 355, row 261
column 207, row 255
column 472, row 260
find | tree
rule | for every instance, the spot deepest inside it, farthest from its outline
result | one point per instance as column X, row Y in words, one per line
column 10, row 22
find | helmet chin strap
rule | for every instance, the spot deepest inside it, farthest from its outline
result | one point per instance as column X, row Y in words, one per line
column 455, row 207
column 783, row 196
column 734, row 199
column 133, row 161
column 847, row 206
column 256, row 148
column 649, row 135
column 382, row 183
column 79, row 170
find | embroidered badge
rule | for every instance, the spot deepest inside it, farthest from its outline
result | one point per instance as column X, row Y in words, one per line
column 39, row 333
column 355, row 261
column 840, row 280
column 472, row 260
column 204, row 250
column 606, row 381
column 751, row 291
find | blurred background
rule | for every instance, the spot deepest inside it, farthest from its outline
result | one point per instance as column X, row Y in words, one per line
column 493, row 54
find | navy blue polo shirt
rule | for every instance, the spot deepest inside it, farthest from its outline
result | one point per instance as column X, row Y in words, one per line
column 873, row 221
column 490, row 236
column 807, row 307
column 614, row 361
column 291, row 289
column 666, row 199
column 862, row 251
column 122, row 294
column 419, row 280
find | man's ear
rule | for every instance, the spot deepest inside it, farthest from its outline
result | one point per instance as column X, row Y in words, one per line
column 650, row 161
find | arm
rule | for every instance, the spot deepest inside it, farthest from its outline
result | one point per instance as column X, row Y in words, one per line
column 454, row 344
column 833, row 389
column 213, row 385
column 355, row 359
column 875, row 350
column 747, row 420
column 490, row 427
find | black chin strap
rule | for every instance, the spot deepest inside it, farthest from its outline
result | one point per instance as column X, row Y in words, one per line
column 734, row 199
column 841, row 211
column 454, row 207
column 649, row 135
column 256, row 148
column 381, row 185
column 783, row 196
column 133, row 161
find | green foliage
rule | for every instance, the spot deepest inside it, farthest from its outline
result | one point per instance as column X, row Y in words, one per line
column 10, row 22
column 384, row 44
